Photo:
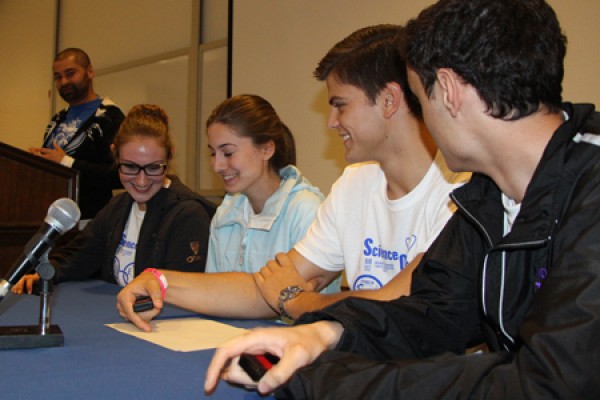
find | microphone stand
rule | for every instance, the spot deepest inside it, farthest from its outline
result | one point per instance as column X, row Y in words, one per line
column 44, row 334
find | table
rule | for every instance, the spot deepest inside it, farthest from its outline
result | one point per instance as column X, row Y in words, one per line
column 98, row 362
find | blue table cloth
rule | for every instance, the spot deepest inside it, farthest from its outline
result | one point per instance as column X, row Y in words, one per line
column 97, row 362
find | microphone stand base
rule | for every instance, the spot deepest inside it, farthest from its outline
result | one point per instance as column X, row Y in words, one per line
column 29, row 337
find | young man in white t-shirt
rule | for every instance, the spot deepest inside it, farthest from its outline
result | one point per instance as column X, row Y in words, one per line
column 380, row 216
column 388, row 207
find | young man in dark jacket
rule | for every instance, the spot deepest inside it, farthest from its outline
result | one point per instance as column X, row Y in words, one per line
column 516, row 268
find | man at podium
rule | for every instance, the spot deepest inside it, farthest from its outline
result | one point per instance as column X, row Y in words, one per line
column 80, row 135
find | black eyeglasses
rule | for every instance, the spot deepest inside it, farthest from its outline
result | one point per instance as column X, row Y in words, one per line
column 155, row 169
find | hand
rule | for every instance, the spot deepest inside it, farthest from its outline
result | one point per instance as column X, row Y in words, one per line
column 145, row 284
column 279, row 274
column 295, row 346
column 25, row 284
column 56, row 154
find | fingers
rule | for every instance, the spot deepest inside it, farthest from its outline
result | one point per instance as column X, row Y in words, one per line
column 220, row 360
column 234, row 373
column 284, row 260
column 296, row 347
column 141, row 286
column 295, row 358
column 18, row 287
column 303, row 344
column 225, row 360
column 125, row 308
column 281, row 260
column 215, row 369
column 25, row 284
column 281, row 263
column 30, row 280
column 282, row 342
column 36, row 151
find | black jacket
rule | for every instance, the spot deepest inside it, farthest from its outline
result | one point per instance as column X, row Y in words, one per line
column 538, row 310
column 93, row 157
column 176, row 219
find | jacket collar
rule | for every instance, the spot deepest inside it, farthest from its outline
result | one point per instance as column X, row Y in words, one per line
column 105, row 103
column 232, row 209
column 540, row 209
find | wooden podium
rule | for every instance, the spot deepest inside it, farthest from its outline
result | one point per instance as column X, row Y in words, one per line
column 29, row 185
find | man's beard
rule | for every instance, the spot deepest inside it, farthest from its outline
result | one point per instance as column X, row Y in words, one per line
column 71, row 93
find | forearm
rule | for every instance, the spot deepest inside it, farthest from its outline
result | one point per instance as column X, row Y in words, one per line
column 228, row 294
column 312, row 301
column 433, row 379
column 403, row 328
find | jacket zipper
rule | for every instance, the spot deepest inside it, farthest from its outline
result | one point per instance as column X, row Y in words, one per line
column 501, row 248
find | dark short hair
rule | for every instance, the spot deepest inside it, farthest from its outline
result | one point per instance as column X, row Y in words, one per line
column 369, row 59
column 81, row 57
column 254, row 117
column 510, row 51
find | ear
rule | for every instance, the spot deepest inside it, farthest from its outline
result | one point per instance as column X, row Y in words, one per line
column 112, row 148
column 451, row 86
column 90, row 71
column 391, row 99
column 268, row 149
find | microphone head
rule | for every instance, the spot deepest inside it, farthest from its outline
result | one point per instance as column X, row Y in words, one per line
column 63, row 214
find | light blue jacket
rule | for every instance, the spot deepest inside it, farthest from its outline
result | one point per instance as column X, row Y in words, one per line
column 239, row 242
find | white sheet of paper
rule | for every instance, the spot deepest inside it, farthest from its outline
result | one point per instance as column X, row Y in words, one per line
column 183, row 334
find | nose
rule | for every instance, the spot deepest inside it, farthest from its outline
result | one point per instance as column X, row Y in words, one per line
column 61, row 81
column 333, row 121
column 141, row 179
column 218, row 163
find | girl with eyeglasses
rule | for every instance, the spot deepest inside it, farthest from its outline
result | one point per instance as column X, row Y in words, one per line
column 158, row 222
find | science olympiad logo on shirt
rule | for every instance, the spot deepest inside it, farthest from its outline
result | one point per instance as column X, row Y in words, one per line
column 381, row 257
column 364, row 282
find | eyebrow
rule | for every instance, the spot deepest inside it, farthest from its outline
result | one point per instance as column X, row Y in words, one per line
column 222, row 145
column 126, row 161
column 65, row 71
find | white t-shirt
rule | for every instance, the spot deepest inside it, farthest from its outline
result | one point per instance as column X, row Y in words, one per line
column 511, row 210
column 124, row 262
column 373, row 238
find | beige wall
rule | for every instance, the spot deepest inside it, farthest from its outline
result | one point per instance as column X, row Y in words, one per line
column 579, row 20
column 27, row 43
column 277, row 45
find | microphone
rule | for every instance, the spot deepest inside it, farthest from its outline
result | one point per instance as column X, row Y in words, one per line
column 62, row 216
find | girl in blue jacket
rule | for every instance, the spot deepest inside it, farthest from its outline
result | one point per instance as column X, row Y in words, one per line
column 269, row 204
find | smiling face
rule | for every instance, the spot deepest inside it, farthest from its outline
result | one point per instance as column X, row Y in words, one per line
column 243, row 165
column 142, row 151
column 72, row 81
column 359, row 122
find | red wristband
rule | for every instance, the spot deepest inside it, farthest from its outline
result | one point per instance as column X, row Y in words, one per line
column 162, row 280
